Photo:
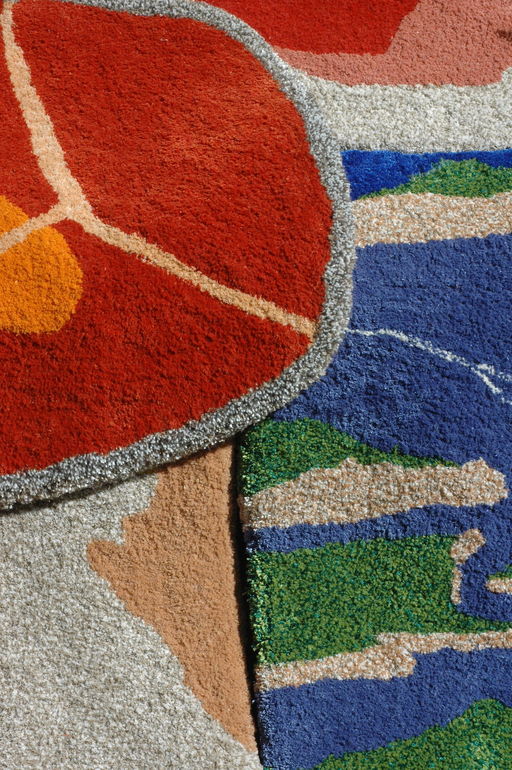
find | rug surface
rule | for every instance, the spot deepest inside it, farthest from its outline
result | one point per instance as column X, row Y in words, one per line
column 121, row 631
column 174, row 237
column 387, row 41
column 377, row 506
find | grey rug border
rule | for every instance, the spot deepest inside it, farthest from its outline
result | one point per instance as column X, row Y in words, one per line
column 88, row 471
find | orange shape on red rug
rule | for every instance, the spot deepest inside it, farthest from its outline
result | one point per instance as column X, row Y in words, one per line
column 189, row 189
column 40, row 278
column 183, row 137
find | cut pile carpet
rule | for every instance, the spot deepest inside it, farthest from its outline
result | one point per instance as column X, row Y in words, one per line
column 182, row 184
column 376, row 505
column 174, row 233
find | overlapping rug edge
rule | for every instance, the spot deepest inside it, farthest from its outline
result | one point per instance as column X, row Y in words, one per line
column 275, row 724
column 88, row 471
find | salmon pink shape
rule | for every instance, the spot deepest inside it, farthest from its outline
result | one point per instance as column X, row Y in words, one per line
column 458, row 42
column 206, row 208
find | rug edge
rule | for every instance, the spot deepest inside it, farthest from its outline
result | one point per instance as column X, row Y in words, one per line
column 90, row 471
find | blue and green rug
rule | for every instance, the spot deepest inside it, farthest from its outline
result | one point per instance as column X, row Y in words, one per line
column 376, row 506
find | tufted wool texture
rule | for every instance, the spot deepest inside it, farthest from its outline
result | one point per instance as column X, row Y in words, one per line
column 176, row 250
column 114, row 655
column 177, row 569
column 388, row 42
column 376, row 505
column 175, row 266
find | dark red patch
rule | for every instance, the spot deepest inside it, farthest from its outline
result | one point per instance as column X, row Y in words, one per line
column 324, row 26
column 144, row 352
column 175, row 131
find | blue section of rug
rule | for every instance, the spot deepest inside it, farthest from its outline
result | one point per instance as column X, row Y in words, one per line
column 333, row 718
column 370, row 171
column 425, row 368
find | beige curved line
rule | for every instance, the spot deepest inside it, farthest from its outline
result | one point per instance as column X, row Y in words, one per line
column 46, row 148
column 135, row 244
column 353, row 492
column 467, row 545
column 393, row 656
column 19, row 234
column 75, row 206
column 422, row 217
column 499, row 585
column 463, row 548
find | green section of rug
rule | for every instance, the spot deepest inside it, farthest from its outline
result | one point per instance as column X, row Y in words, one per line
column 480, row 739
column 273, row 452
column 315, row 603
column 467, row 178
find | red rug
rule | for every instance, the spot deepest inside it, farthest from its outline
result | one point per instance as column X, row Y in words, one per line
column 172, row 270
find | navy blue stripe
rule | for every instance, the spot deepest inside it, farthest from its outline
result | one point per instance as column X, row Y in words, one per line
column 302, row 726
column 370, row 171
